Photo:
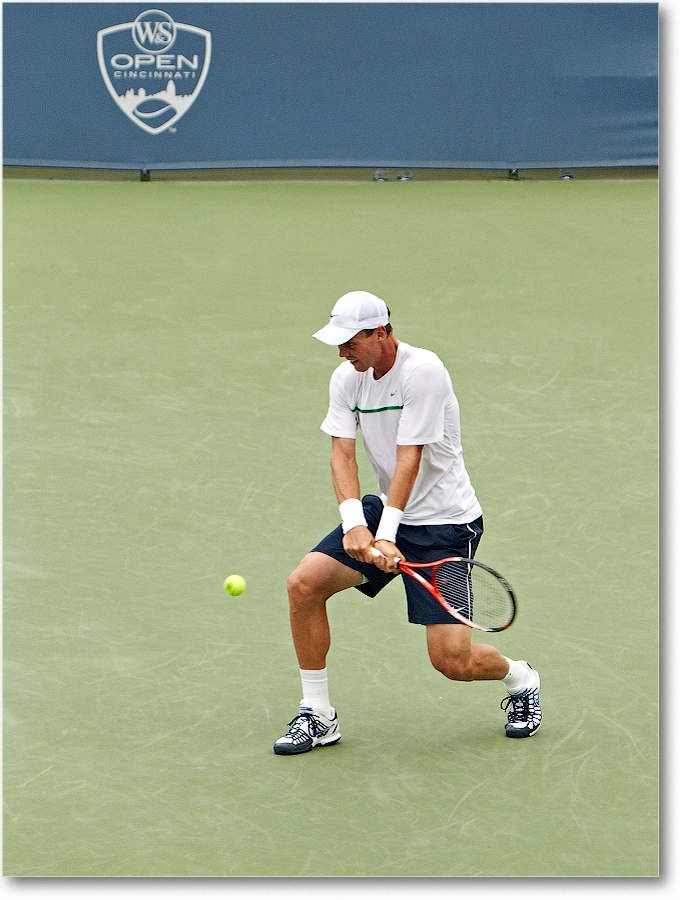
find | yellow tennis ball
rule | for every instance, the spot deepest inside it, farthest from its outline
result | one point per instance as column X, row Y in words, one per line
column 234, row 585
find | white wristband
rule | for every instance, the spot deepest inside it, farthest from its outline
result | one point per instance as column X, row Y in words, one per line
column 391, row 517
column 352, row 514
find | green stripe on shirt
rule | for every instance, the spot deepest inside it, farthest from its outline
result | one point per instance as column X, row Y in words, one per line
column 382, row 409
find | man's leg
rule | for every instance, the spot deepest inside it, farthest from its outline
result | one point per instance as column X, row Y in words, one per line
column 317, row 578
column 310, row 585
column 453, row 654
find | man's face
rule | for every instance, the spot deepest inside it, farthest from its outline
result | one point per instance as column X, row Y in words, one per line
column 363, row 351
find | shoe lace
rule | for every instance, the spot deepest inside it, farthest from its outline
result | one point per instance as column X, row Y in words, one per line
column 302, row 720
column 520, row 706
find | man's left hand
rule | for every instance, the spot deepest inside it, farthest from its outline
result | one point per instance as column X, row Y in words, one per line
column 389, row 553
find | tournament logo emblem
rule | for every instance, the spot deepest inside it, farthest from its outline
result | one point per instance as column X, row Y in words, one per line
column 154, row 68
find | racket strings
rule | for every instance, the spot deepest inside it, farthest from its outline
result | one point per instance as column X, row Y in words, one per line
column 474, row 593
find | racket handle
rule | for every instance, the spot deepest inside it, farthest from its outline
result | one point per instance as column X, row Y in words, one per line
column 376, row 553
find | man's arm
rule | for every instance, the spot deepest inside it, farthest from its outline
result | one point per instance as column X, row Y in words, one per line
column 358, row 541
column 408, row 460
column 345, row 469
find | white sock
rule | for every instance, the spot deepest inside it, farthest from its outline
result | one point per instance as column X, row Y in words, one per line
column 518, row 678
column 316, row 691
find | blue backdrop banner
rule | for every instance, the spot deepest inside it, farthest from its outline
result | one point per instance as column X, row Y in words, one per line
column 436, row 85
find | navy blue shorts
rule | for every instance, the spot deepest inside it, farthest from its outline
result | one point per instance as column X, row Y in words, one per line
column 419, row 543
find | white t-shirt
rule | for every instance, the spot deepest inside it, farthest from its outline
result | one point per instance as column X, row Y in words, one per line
column 412, row 404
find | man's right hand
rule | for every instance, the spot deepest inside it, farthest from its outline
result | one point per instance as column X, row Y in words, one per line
column 358, row 543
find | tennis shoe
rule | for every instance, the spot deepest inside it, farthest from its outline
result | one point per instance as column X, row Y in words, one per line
column 523, row 710
column 306, row 731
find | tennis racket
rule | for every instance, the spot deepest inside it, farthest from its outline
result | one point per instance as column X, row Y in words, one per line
column 472, row 593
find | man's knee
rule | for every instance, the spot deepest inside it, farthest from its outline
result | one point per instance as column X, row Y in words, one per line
column 449, row 649
column 317, row 578
column 456, row 667
column 312, row 582
column 300, row 588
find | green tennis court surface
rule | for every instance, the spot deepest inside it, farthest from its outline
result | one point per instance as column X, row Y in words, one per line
column 163, row 397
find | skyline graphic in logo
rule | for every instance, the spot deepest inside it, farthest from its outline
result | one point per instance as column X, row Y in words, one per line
column 154, row 68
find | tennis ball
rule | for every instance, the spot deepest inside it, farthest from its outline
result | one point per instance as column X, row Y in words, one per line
column 234, row 585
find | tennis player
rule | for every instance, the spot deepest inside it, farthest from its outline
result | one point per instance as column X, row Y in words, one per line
column 401, row 398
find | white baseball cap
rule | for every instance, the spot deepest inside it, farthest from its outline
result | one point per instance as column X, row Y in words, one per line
column 352, row 313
